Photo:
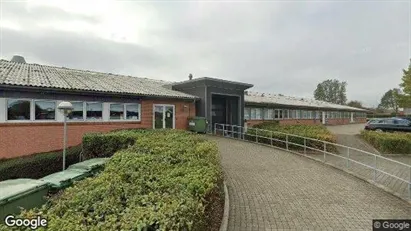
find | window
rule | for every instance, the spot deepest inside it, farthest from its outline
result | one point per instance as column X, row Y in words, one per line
column 45, row 110
column 271, row 113
column 258, row 114
column 18, row 109
column 116, row 111
column 266, row 117
column 318, row 115
column 247, row 113
column 133, row 111
column 293, row 114
column 297, row 114
column 280, row 114
column 78, row 111
column 253, row 113
column 285, row 114
column 276, row 114
column 304, row 114
column 94, row 111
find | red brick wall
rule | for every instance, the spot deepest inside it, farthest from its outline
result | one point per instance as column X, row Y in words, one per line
column 18, row 139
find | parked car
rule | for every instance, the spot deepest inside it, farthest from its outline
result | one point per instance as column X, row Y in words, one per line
column 389, row 125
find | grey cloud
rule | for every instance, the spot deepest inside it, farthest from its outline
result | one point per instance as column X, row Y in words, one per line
column 79, row 51
column 24, row 15
column 280, row 47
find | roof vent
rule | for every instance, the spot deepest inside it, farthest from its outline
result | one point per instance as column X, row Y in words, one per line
column 18, row 59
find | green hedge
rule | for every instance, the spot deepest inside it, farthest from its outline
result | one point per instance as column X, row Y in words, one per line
column 319, row 132
column 106, row 144
column 163, row 182
column 37, row 165
column 391, row 143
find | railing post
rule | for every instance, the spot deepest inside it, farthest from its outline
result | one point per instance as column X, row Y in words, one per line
column 375, row 168
column 271, row 138
column 325, row 150
column 305, row 145
column 348, row 157
column 256, row 138
column 215, row 129
column 286, row 141
column 232, row 131
column 224, row 130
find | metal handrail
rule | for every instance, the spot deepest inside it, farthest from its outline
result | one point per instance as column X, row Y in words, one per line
column 243, row 131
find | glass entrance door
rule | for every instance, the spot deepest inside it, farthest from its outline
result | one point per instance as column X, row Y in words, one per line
column 163, row 116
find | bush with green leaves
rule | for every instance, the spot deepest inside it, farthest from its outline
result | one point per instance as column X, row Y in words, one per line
column 162, row 182
column 106, row 144
column 37, row 165
column 278, row 132
column 391, row 143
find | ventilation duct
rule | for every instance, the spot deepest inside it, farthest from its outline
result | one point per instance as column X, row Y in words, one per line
column 18, row 59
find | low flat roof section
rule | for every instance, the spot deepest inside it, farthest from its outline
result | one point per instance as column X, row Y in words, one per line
column 215, row 82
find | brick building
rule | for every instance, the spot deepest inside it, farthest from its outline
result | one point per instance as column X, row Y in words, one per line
column 30, row 122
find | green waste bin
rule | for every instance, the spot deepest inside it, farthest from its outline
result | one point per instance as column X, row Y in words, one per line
column 64, row 179
column 198, row 124
column 25, row 193
column 92, row 165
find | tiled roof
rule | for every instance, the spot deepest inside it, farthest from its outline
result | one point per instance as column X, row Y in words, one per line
column 255, row 97
column 35, row 75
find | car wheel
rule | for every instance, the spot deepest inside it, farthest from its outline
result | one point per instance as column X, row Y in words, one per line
column 379, row 130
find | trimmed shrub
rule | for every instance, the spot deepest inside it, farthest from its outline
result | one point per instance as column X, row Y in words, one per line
column 38, row 165
column 160, row 183
column 105, row 145
column 391, row 143
column 318, row 132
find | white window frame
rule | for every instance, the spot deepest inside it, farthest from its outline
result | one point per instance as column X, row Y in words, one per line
column 247, row 113
column 102, row 111
column 139, row 112
column 164, row 105
column 19, row 121
column 271, row 113
column 251, row 113
column 109, row 111
column 84, row 112
column 266, row 114
column 259, row 112
column 45, row 100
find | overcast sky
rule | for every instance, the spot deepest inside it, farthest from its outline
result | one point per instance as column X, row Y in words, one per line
column 280, row 47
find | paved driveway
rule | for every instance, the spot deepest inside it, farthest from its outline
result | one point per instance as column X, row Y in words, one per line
column 348, row 135
column 273, row 190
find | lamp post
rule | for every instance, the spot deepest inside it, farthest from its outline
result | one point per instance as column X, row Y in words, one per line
column 65, row 108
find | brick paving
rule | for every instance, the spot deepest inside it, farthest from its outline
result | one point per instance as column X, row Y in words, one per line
column 348, row 135
column 271, row 189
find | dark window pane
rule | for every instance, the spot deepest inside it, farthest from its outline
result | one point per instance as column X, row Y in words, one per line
column 116, row 111
column 94, row 111
column 45, row 110
column 133, row 111
column 77, row 112
column 18, row 109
